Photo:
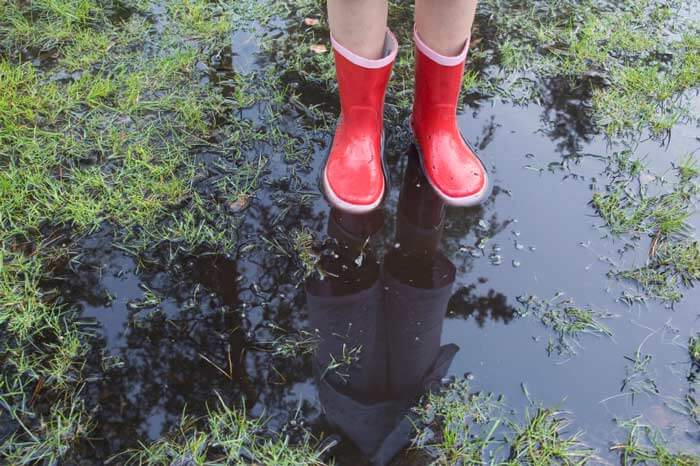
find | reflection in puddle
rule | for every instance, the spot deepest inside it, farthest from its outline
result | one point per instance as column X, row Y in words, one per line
column 380, row 319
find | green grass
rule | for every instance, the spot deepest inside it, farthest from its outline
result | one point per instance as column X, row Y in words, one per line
column 620, row 45
column 105, row 131
column 644, row 446
column 63, row 426
column 285, row 344
column 694, row 349
column 302, row 242
column 638, row 379
column 225, row 436
column 568, row 321
column 456, row 426
column 542, row 440
column 658, row 210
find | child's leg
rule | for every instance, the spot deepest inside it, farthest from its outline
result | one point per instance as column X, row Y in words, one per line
column 359, row 25
column 444, row 25
column 364, row 52
column 442, row 41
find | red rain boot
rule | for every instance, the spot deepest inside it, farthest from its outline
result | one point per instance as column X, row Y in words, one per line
column 353, row 178
column 450, row 164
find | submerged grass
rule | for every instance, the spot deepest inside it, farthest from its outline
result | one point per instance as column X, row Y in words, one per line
column 226, row 436
column 637, row 204
column 694, row 349
column 646, row 446
column 456, row 426
column 104, row 111
column 568, row 321
column 542, row 440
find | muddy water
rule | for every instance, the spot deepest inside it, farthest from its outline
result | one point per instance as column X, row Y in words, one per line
column 409, row 285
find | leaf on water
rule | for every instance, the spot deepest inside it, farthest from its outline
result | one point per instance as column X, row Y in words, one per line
column 319, row 48
column 239, row 204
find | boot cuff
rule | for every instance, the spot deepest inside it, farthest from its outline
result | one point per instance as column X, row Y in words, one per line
column 391, row 48
column 436, row 57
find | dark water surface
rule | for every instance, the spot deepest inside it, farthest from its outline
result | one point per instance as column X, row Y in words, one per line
column 420, row 297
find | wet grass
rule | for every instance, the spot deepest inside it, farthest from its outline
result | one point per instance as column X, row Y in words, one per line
column 634, row 73
column 632, row 69
column 226, row 436
column 646, row 446
column 303, row 247
column 105, row 107
column 694, row 349
column 638, row 380
column 122, row 113
column 568, row 321
column 638, row 205
column 457, row 426
column 286, row 344
column 543, row 440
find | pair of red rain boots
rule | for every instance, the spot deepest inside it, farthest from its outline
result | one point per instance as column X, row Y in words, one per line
column 353, row 178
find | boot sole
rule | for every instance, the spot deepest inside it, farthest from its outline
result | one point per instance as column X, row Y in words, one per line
column 464, row 201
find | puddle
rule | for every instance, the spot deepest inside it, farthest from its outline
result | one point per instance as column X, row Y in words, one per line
column 412, row 294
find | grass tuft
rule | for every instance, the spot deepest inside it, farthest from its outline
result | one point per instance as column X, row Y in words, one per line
column 568, row 321
column 225, row 436
column 658, row 210
column 694, row 349
column 456, row 426
column 645, row 446
column 542, row 440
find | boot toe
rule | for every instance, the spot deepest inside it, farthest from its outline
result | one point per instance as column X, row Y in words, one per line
column 357, row 186
column 455, row 172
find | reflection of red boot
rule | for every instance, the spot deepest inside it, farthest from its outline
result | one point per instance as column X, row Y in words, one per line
column 450, row 164
column 353, row 178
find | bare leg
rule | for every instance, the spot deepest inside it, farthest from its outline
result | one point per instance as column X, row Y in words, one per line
column 444, row 25
column 359, row 25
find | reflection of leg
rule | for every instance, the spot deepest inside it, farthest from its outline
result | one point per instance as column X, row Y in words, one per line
column 347, row 312
column 347, row 324
column 442, row 40
column 418, row 281
column 364, row 52
column 345, row 307
column 421, row 213
column 414, row 318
